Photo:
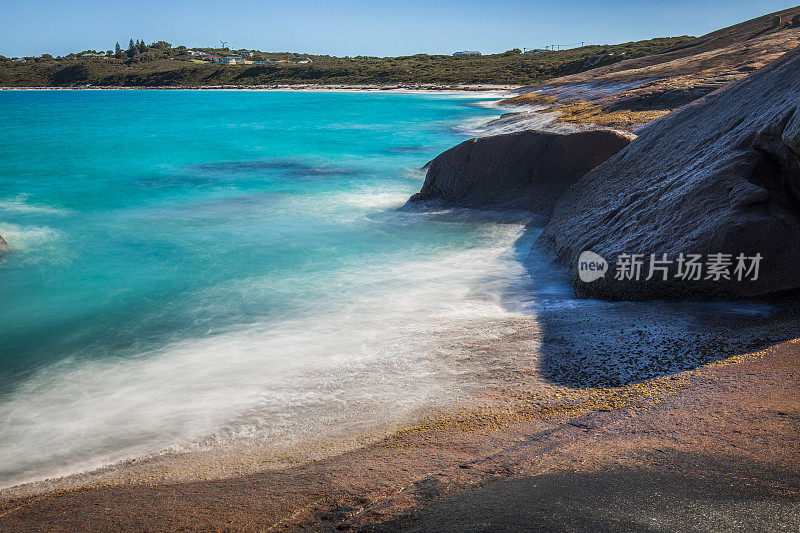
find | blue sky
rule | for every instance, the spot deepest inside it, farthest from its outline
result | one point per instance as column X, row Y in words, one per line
column 359, row 27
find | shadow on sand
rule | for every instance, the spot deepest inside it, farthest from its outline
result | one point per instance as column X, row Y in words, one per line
column 615, row 499
column 591, row 343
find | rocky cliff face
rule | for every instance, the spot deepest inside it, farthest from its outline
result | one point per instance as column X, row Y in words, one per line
column 526, row 170
column 719, row 176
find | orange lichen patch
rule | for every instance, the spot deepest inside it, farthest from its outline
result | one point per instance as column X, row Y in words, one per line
column 531, row 99
column 588, row 113
column 553, row 404
column 549, row 404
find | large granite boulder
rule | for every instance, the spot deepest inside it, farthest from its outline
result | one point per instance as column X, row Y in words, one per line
column 718, row 176
column 525, row 170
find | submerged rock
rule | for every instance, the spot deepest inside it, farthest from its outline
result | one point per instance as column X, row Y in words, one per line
column 525, row 170
column 718, row 176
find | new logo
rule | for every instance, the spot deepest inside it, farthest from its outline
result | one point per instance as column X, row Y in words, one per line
column 591, row 266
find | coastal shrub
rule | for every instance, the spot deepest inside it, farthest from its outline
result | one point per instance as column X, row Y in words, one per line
column 160, row 63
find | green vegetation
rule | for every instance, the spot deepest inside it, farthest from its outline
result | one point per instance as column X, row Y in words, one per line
column 161, row 64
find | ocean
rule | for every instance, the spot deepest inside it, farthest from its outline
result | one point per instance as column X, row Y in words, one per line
column 237, row 274
column 199, row 268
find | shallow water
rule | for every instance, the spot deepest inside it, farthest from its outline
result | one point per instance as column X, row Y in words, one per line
column 191, row 269
column 198, row 267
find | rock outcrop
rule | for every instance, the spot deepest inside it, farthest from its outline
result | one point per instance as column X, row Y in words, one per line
column 525, row 170
column 3, row 244
column 718, row 176
column 628, row 93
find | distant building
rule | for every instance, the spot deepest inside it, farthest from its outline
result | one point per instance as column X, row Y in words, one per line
column 467, row 53
column 536, row 51
column 233, row 60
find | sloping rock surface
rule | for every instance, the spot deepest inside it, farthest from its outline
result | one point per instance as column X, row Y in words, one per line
column 625, row 91
column 525, row 170
column 720, row 175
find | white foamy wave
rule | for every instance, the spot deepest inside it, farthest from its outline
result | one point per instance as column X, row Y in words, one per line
column 21, row 204
column 494, row 104
column 348, row 206
column 393, row 344
column 416, row 174
column 367, row 199
column 28, row 237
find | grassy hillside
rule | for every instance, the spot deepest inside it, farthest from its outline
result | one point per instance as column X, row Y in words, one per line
column 166, row 66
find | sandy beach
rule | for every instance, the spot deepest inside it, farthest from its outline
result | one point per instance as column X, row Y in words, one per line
column 417, row 89
column 718, row 442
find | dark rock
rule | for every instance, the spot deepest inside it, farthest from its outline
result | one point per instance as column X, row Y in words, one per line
column 720, row 175
column 3, row 244
column 660, row 97
column 524, row 170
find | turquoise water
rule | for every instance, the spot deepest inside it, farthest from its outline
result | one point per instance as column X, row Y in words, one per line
column 197, row 267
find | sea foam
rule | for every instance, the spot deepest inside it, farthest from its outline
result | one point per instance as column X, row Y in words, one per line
column 388, row 348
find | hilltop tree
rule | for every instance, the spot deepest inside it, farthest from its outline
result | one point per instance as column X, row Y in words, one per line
column 118, row 51
column 141, row 47
column 131, row 49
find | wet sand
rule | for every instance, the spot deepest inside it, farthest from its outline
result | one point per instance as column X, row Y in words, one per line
column 711, row 448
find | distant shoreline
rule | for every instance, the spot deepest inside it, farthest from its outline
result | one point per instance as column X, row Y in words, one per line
column 478, row 88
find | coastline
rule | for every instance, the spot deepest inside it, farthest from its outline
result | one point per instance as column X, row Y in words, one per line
column 170, row 467
column 523, row 427
column 510, row 389
column 658, row 427
column 177, row 465
column 303, row 349
column 400, row 88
